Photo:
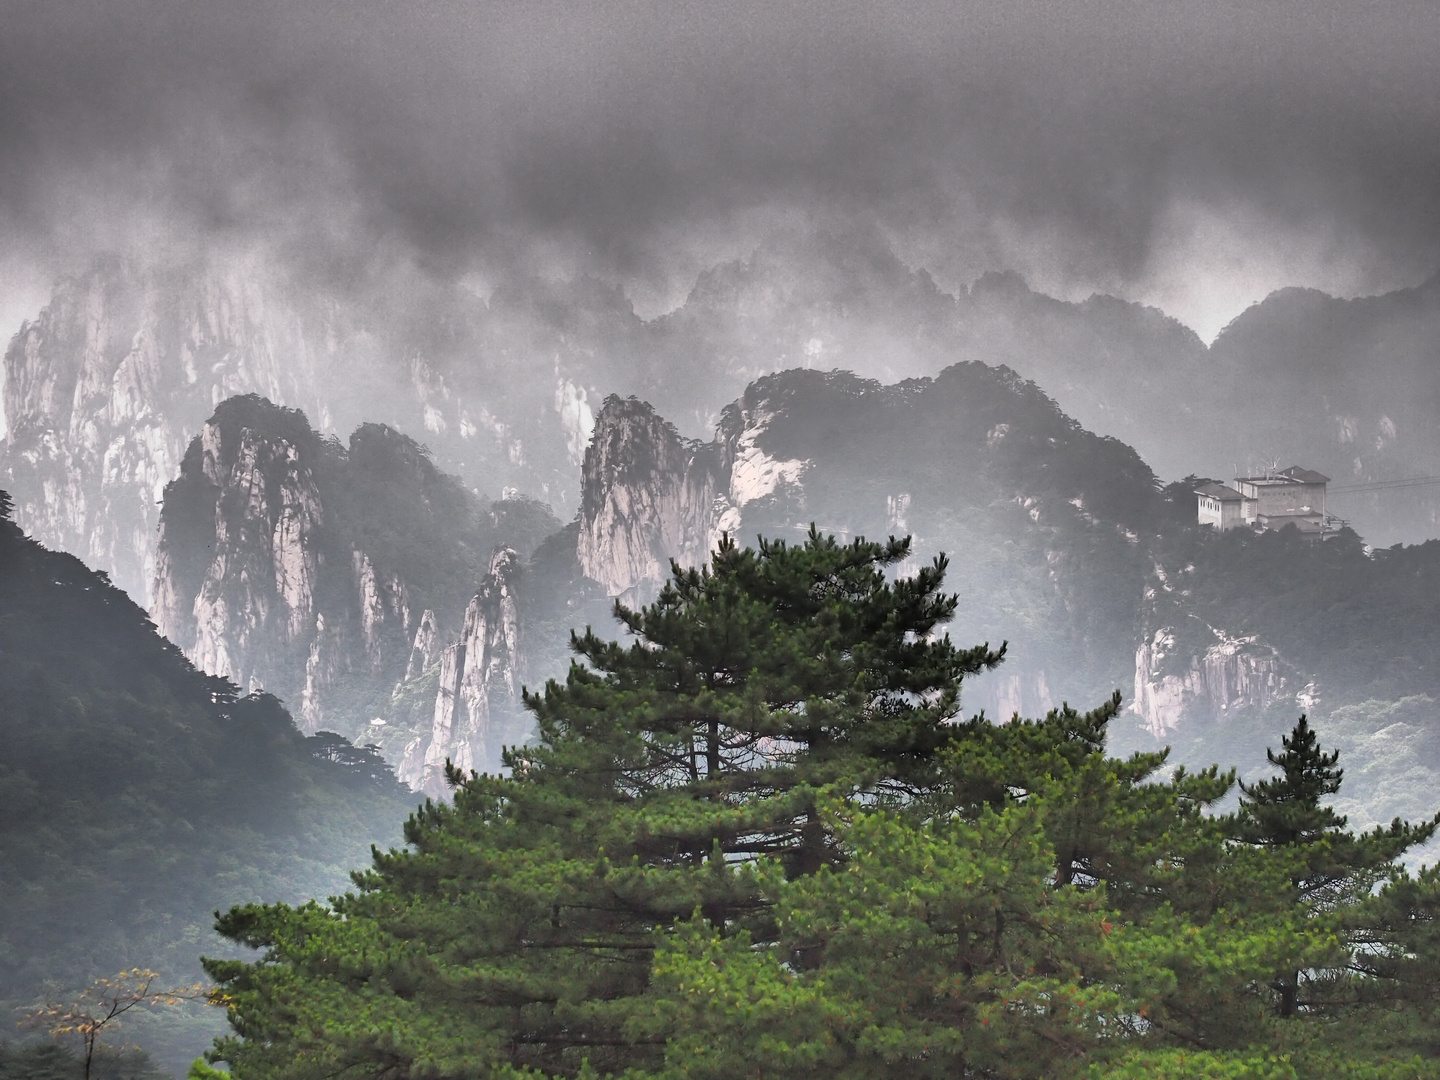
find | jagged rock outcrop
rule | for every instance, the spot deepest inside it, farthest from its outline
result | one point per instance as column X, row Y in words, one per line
column 1174, row 685
column 647, row 497
column 240, row 550
column 1041, row 518
column 477, row 704
column 105, row 387
column 425, row 649
column 332, row 575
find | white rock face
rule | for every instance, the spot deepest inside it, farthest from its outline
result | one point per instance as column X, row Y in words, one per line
column 477, row 708
column 333, row 577
column 255, row 597
column 424, row 651
column 384, row 607
column 1231, row 674
column 104, row 389
column 576, row 419
column 754, row 473
column 647, row 498
column 1005, row 695
column 242, row 582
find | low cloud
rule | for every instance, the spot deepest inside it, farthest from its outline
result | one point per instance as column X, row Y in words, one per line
column 1090, row 146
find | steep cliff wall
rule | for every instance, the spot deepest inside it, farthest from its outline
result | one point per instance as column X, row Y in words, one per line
column 333, row 576
column 477, row 708
column 647, row 497
column 1211, row 682
column 104, row 389
column 248, row 608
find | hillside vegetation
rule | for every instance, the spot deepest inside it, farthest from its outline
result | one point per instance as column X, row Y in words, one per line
column 138, row 795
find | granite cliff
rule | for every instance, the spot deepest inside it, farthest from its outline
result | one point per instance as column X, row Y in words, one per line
column 1040, row 517
column 647, row 496
column 105, row 387
column 336, row 576
column 476, row 710
column 1213, row 682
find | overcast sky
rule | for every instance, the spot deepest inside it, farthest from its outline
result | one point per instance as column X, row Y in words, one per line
column 1190, row 155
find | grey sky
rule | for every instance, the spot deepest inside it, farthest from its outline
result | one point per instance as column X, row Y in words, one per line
column 1191, row 155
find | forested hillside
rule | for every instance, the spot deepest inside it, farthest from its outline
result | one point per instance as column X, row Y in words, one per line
column 1239, row 631
column 138, row 795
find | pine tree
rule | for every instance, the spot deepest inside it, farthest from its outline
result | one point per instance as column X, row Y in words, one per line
column 1287, row 810
column 675, row 775
column 758, row 840
column 1334, row 872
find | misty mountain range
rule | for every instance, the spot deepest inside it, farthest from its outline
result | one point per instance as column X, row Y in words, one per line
column 402, row 594
column 356, row 355
column 105, row 387
column 172, row 426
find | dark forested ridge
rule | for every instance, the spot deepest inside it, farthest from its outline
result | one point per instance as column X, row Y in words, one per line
column 1047, row 523
column 1240, row 630
column 138, row 795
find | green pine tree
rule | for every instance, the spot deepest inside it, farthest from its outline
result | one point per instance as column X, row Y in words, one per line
column 1335, row 872
column 759, row 841
column 1287, row 810
column 674, row 775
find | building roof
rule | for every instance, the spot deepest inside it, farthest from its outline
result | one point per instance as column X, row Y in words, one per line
column 1219, row 491
column 1305, row 476
column 1293, row 475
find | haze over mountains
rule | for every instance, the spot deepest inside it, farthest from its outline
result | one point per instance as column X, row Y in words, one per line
column 106, row 385
column 110, row 389
column 402, row 595
column 139, row 794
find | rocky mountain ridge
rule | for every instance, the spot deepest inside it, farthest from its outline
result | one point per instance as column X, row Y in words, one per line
column 105, row 387
column 975, row 462
column 275, row 556
column 476, row 713
column 274, row 567
column 330, row 575
column 648, row 496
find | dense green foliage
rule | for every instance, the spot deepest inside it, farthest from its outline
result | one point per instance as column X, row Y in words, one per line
column 760, row 841
column 51, row 1061
column 137, row 795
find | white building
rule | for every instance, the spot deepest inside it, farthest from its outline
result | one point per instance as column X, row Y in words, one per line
column 1293, row 496
column 1224, row 507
